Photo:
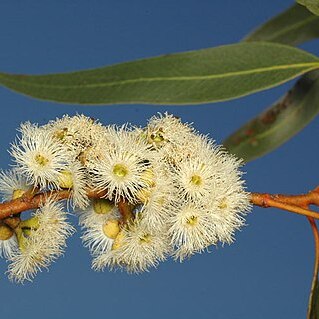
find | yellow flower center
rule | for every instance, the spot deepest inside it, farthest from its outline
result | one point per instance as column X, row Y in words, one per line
column 192, row 220
column 223, row 204
column 120, row 170
column 145, row 239
column 41, row 160
column 196, row 180
column 157, row 137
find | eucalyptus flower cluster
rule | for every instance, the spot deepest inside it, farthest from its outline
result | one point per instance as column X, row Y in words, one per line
column 164, row 190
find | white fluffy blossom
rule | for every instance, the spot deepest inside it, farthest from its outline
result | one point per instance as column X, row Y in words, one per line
column 101, row 224
column 43, row 240
column 123, row 169
column 191, row 230
column 78, row 133
column 138, row 248
column 38, row 156
column 12, row 184
column 141, row 194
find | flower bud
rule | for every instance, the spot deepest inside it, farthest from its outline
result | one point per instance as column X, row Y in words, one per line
column 66, row 179
column 118, row 241
column 102, row 206
column 18, row 193
column 111, row 228
column 31, row 223
column 5, row 232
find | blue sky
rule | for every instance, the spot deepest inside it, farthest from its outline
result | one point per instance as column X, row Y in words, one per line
column 267, row 272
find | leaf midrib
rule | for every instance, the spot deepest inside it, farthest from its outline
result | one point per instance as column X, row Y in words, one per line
column 291, row 28
column 311, row 66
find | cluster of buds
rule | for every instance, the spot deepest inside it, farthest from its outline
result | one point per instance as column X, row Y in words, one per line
column 141, row 194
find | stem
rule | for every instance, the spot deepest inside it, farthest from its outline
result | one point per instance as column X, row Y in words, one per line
column 125, row 210
column 313, row 293
column 24, row 203
column 292, row 203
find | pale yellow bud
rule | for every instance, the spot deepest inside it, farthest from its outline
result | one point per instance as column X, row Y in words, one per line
column 148, row 177
column 18, row 193
column 144, row 194
column 31, row 223
column 5, row 232
column 66, row 179
column 111, row 228
column 118, row 241
column 102, row 206
column 22, row 240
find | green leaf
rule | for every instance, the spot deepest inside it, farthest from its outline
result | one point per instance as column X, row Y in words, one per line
column 279, row 123
column 311, row 5
column 294, row 26
column 193, row 77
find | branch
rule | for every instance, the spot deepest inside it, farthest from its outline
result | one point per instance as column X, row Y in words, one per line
column 27, row 202
column 293, row 203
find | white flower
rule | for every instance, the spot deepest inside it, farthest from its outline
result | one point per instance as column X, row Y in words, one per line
column 101, row 224
column 137, row 249
column 191, row 230
column 122, row 170
column 38, row 156
column 99, row 238
column 77, row 133
column 41, row 242
column 228, row 210
column 12, row 185
column 195, row 179
column 158, row 201
column 167, row 130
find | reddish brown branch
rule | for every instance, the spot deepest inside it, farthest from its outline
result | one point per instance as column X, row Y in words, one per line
column 28, row 202
column 314, row 284
column 293, row 203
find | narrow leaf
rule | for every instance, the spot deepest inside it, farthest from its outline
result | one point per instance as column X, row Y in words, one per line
column 311, row 5
column 294, row 26
column 279, row 123
column 193, row 77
